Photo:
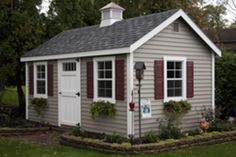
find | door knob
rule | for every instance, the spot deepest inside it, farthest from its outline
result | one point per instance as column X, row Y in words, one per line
column 78, row 94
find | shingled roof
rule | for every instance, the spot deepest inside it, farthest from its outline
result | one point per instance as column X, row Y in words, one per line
column 119, row 35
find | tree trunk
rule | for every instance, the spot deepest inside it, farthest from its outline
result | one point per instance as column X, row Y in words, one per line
column 20, row 93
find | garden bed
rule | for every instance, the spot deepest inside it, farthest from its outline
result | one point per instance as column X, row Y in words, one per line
column 166, row 145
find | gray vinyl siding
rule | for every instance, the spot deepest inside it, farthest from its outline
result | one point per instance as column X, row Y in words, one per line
column 116, row 124
column 50, row 115
column 184, row 43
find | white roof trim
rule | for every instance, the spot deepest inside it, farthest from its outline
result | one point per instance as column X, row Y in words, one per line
column 77, row 55
column 167, row 22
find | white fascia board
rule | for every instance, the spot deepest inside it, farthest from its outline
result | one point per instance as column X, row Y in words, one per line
column 171, row 19
column 77, row 55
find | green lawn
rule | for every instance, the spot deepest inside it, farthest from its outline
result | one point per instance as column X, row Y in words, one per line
column 12, row 148
column 8, row 97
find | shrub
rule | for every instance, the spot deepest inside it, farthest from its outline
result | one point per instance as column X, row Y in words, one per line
column 225, row 84
column 170, row 125
column 222, row 125
column 115, row 138
column 102, row 109
column 150, row 137
column 77, row 130
column 168, row 130
column 38, row 104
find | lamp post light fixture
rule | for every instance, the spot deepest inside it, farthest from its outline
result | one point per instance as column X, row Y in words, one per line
column 139, row 68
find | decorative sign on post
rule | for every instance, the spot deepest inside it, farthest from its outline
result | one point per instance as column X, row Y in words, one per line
column 146, row 108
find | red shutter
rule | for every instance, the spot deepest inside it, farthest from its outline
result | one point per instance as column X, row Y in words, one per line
column 90, row 79
column 159, row 80
column 50, row 79
column 190, row 79
column 120, row 69
column 31, row 79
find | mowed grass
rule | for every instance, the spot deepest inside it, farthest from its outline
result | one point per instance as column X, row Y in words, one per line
column 11, row 148
column 8, row 97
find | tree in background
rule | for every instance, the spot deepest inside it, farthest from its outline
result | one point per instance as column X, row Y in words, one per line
column 21, row 31
column 225, row 84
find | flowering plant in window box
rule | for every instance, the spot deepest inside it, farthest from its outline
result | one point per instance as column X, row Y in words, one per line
column 102, row 109
column 39, row 104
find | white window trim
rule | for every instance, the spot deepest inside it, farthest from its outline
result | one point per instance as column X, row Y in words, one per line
column 184, row 73
column 46, row 80
column 95, row 60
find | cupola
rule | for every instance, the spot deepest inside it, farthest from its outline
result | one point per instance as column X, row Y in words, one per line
column 111, row 13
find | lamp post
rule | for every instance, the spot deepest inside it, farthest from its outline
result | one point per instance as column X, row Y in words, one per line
column 139, row 67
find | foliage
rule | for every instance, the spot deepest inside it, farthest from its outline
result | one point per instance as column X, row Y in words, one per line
column 39, row 104
column 77, row 130
column 8, row 97
column 222, row 125
column 169, row 130
column 177, row 107
column 225, row 84
column 150, row 137
column 170, row 124
column 21, row 30
column 115, row 138
column 102, row 109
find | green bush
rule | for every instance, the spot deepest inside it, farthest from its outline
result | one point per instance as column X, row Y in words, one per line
column 225, row 84
column 222, row 125
column 39, row 104
column 102, row 109
column 170, row 131
column 178, row 107
column 150, row 137
column 170, row 124
column 77, row 130
column 115, row 138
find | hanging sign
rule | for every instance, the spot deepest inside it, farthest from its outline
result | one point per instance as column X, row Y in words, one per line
column 146, row 108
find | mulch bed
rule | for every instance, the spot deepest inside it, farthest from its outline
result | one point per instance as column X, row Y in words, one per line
column 38, row 135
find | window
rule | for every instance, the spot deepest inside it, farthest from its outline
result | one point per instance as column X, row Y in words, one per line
column 69, row 66
column 40, row 80
column 174, row 78
column 175, row 81
column 104, row 79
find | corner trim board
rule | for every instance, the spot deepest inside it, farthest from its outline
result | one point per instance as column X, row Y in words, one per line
column 213, row 80
column 26, row 91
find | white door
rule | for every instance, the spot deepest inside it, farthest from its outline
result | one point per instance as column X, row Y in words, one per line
column 69, row 92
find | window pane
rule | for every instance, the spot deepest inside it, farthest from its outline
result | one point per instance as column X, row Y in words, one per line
column 109, row 84
column 40, row 86
column 100, row 65
column 108, row 74
column 178, row 84
column 108, row 65
column 108, row 93
column 69, row 66
column 101, row 84
column 170, row 92
column 178, row 92
column 101, row 92
column 170, row 84
column 170, row 65
column 170, row 74
column 100, row 74
column 178, row 74
column 178, row 65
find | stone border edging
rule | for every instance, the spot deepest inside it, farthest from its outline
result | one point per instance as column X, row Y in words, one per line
column 21, row 131
column 162, row 146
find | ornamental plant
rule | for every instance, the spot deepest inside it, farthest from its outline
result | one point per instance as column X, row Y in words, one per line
column 170, row 124
column 39, row 104
column 102, row 109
